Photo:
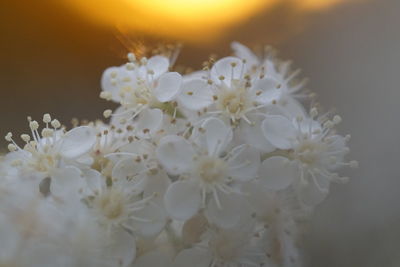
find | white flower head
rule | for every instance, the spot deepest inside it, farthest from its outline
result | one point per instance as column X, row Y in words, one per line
column 220, row 167
column 140, row 85
column 209, row 170
column 310, row 155
column 230, row 91
column 50, row 153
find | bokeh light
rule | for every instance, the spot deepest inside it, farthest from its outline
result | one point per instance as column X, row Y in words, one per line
column 190, row 20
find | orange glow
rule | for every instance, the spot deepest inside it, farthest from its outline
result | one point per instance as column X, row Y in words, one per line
column 193, row 20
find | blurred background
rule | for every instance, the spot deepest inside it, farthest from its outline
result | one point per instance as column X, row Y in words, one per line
column 52, row 55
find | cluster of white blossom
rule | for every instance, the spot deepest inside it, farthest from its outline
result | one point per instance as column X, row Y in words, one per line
column 216, row 168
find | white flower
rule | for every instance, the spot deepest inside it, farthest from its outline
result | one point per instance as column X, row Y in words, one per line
column 140, row 85
column 280, row 220
column 310, row 155
column 52, row 152
column 209, row 172
column 289, row 86
column 224, row 248
column 217, row 168
column 230, row 91
column 117, row 207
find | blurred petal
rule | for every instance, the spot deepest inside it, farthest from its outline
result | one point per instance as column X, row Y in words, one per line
column 277, row 173
column 223, row 67
column 77, row 142
column 244, row 163
column 218, row 135
column 193, row 257
column 279, row 131
column 158, row 64
column 230, row 212
column 149, row 121
column 153, row 259
column 169, row 85
column 182, row 200
column 196, row 94
column 175, row 154
column 156, row 220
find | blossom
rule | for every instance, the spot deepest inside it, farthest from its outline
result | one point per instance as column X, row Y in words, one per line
column 223, row 248
column 53, row 152
column 219, row 167
column 140, row 85
column 230, row 91
column 311, row 153
column 208, row 175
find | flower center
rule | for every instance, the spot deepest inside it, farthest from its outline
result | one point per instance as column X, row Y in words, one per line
column 309, row 151
column 212, row 170
column 234, row 102
column 111, row 204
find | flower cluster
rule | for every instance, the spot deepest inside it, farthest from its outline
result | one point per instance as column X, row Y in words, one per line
column 217, row 168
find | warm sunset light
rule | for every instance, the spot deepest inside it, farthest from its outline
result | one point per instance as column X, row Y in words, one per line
column 196, row 20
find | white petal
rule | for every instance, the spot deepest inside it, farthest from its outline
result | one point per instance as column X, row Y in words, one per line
column 94, row 179
column 153, row 259
column 155, row 217
column 128, row 170
column 182, row 200
column 67, row 182
column 111, row 81
column 277, row 173
column 175, row 154
column 218, row 135
column 158, row 64
column 244, row 162
column 231, row 211
column 169, row 85
column 77, row 142
column 196, row 94
column 253, row 134
column 193, row 257
column 261, row 200
column 156, row 184
column 223, row 67
column 244, row 52
column 291, row 106
column 149, row 121
column 269, row 90
column 279, row 131
column 310, row 193
column 122, row 248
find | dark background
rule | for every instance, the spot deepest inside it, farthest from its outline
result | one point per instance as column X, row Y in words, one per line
column 51, row 60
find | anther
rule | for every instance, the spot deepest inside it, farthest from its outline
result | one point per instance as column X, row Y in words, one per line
column 337, row 119
column 34, row 125
column 26, row 138
column 314, row 112
column 46, row 132
column 130, row 66
column 12, row 147
column 131, row 57
column 9, row 137
column 107, row 113
column 56, row 124
column 143, row 61
column 113, row 74
column 46, row 118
